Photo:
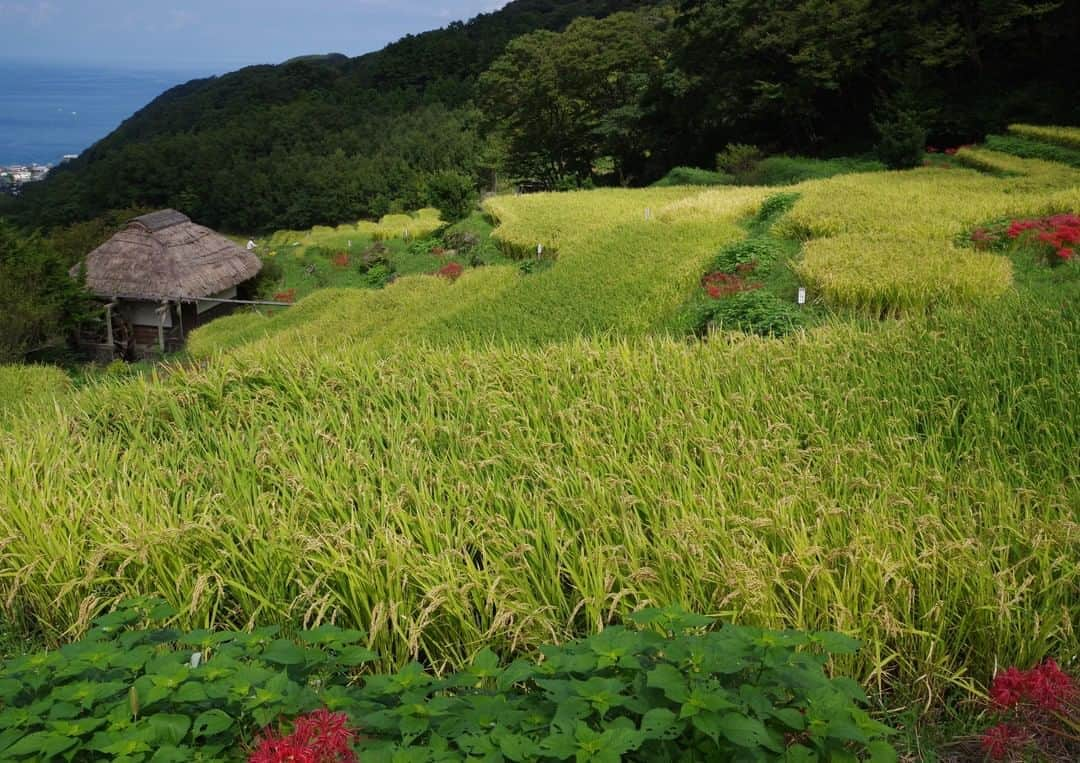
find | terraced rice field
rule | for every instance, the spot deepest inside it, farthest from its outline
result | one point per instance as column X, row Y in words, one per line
column 512, row 459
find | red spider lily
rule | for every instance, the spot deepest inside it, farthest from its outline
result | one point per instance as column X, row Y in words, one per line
column 318, row 737
column 286, row 296
column 1060, row 233
column 451, row 271
column 950, row 151
column 719, row 285
column 340, row 260
column 931, row 150
column 1001, row 741
column 1046, row 686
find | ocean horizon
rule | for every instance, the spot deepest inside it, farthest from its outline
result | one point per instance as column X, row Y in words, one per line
column 48, row 111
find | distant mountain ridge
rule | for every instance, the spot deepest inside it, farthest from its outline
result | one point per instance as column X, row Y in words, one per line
column 211, row 145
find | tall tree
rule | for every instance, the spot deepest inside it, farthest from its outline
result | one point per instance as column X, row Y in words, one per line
column 563, row 101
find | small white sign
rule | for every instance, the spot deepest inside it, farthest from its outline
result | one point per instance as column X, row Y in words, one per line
column 648, row 213
column 539, row 250
column 802, row 295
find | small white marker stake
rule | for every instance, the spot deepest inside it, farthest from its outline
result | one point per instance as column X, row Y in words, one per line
column 539, row 250
column 802, row 295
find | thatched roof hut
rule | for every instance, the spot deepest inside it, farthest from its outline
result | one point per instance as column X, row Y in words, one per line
column 162, row 276
column 165, row 256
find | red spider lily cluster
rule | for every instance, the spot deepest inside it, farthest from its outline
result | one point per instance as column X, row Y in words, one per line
column 720, row 285
column 318, row 737
column 1060, row 232
column 451, row 271
column 1041, row 713
column 340, row 260
column 286, row 296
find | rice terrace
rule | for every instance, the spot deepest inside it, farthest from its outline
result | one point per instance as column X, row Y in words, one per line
column 590, row 381
column 513, row 459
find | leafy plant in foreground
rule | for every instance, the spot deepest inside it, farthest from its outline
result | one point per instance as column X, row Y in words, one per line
column 663, row 689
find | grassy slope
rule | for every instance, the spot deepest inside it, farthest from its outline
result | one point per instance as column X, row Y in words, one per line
column 376, row 459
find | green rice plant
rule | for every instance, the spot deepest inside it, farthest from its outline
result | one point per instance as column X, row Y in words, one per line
column 1069, row 137
column 25, row 388
column 1033, row 149
column 913, row 485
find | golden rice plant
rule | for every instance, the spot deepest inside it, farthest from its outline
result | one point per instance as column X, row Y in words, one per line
column 1069, row 137
column 914, row 485
column 885, row 241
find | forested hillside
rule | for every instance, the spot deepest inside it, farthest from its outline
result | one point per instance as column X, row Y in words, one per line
column 433, row 118
column 310, row 140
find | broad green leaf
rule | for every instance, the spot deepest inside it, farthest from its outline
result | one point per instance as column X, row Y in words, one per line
column 190, row 692
column 882, row 752
column 283, row 652
column 660, row 723
column 210, row 723
column 669, row 680
column 169, row 729
column 45, row 745
column 173, row 754
column 352, row 656
column 746, row 732
column 76, row 728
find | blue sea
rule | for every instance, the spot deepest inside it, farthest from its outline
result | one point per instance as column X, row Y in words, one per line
column 47, row 111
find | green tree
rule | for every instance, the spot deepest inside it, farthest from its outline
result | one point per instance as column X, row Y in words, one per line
column 453, row 193
column 39, row 300
column 563, row 101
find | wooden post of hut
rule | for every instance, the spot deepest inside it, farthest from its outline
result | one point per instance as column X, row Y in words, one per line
column 163, row 276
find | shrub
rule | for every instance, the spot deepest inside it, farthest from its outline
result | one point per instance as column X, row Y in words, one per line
column 901, row 138
column 788, row 170
column 267, row 281
column 454, row 193
column 761, row 252
column 376, row 254
column 664, row 688
column 738, row 159
column 693, row 176
column 756, row 312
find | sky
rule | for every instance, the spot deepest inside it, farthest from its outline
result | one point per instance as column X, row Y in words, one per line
column 213, row 34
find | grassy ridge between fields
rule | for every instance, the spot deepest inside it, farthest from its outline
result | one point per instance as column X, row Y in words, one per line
column 913, row 484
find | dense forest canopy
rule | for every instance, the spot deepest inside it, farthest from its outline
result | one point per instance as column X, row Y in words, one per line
column 563, row 93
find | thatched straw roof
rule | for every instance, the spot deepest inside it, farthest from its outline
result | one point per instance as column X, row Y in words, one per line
column 164, row 255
